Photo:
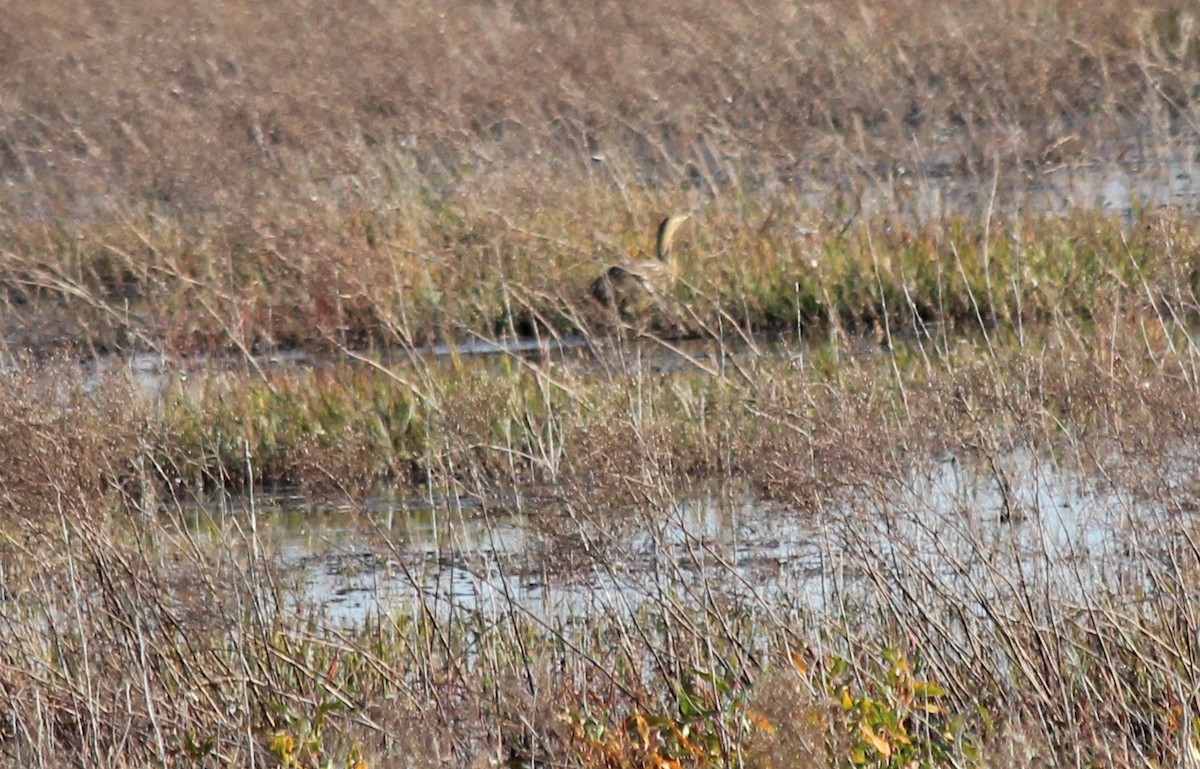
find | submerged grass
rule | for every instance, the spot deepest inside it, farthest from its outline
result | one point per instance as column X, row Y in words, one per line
column 134, row 638
column 362, row 180
column 717, row 413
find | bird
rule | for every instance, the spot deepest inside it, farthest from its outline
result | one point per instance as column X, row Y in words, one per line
column 629, row 288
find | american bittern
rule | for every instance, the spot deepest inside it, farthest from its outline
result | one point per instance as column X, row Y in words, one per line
column 629, row 288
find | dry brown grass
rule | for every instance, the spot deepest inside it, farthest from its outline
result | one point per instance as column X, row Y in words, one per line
column 191, row 178
column 239, row 177
column 458, row 272
column 177, row 640
column 242, row 108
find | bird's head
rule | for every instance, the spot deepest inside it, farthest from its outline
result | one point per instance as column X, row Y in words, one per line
column 666, row 234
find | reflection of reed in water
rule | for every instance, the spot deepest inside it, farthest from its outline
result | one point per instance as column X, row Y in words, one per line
column 630, row 288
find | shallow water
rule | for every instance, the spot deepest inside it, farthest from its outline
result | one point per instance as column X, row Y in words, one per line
column 1138, row 177
column 948, row 529
column 1134, row 176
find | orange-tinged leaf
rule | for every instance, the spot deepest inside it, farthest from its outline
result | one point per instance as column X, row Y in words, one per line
column 761, row 722
column 682, row 736
column 643, row 730
column 798, row 662
column 874, row 740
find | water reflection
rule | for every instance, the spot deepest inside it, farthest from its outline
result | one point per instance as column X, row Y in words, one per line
column 1139, row 178
column 967, row 529
column 930, row 192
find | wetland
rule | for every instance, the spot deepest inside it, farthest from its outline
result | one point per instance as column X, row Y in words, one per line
column 317, row 448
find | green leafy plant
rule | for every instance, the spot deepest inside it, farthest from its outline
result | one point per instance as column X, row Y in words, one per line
column 899, row 719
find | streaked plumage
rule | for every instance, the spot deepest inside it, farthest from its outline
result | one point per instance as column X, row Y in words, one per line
column 630, row 288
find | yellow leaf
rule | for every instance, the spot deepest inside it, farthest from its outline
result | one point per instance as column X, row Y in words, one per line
column 847, row 703
column 283, row 744
column 874, row 740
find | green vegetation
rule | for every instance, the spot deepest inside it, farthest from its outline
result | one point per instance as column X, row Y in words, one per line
column 160, row 287
column 901, row 473
column 920, row 668
column 191, row 179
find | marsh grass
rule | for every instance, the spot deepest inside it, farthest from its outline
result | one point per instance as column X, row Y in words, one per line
column 344, row 427
column 725, row 412
column 745, row 270
column 361, row 180
column 174, row 183
column 138, row 638
column 245, row 110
